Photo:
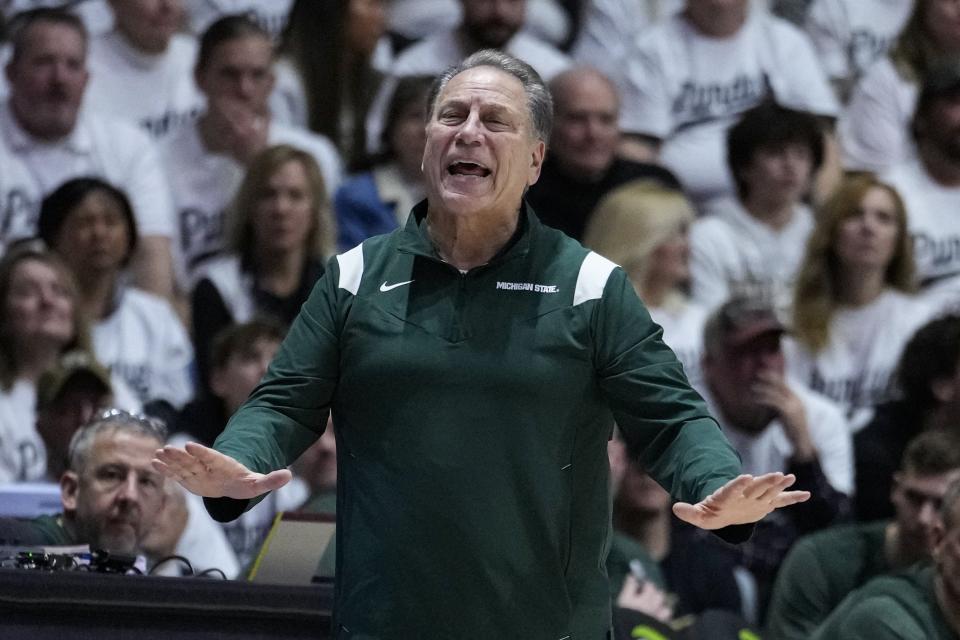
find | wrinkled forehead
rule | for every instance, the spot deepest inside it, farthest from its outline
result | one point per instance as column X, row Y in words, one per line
column 486, row 85
column 114, row 446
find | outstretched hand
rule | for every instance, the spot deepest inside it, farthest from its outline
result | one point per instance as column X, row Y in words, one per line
column 211, row 474
column 743, row 500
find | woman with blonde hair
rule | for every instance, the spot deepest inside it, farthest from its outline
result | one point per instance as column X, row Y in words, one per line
column 874, row 129
column 854, row 306
column 39, row 320
column 643, row 227
column 280, row 231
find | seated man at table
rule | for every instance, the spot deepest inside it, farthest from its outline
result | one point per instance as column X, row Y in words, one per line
column 111, row 494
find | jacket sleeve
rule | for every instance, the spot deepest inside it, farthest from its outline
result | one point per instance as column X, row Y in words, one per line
column 288, row 410
column 663, row 420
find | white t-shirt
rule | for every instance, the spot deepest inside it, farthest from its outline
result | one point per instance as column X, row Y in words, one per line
column 857, row 366
column 144, row 343
column 610, row 28
column 156, row 92
column 849, row 35
column 418, row 19
column 234, row 285
column 269, row 14
column 933, row 215
column 687, row 89
column 733, row 252
column 203, row 184
column 683, row 332
column 433, row 55
column 23, row 456
column 116, row 151
column 874, row 128
column 771, row 449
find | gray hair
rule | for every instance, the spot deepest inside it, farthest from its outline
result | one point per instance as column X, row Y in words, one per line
column 111, row 420
column 539, row 100
column 950, row 504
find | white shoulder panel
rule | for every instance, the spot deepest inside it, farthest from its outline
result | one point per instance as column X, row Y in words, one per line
column 594, row 272
column 351, row 269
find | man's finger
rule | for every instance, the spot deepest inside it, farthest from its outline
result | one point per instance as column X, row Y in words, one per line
column 176, row 456
column 162, row 467
column 776, row 489
column 761, row 484
column 735, row 487
column 274, row 480
column 689, row 513
column 211, row 459
column 788, row 498
column 177, row 462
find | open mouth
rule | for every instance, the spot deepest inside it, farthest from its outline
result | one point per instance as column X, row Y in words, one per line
column 466, row 168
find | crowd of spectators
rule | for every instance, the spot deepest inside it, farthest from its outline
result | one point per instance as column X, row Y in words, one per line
column 779, row 179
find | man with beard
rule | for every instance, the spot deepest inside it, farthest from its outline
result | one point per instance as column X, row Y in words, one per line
column 929, row 183
column 111, row 494
column 775, row 424
column 823, row 568
column 486, row 24
column 46, row 139
column 922, row 603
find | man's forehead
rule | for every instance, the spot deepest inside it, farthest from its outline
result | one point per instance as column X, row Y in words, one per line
column 246, row 49
column 932, row 484
column 255, row 348
column 487, row 83
column 53, row 35
column 123, row 444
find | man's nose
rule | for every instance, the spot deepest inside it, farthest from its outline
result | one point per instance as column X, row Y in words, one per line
column 469, row 130
column 246, row 86
column 129, row 490
column 928, row 514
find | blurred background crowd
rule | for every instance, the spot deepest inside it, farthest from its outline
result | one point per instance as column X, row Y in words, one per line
column 779, row 178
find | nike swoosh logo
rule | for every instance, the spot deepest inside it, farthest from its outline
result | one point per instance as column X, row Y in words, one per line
column 387, row 287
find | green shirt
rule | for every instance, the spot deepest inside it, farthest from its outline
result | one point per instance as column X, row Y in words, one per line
column 49, row 531
column 897, row 607
column 473, row 412
column 819, row 572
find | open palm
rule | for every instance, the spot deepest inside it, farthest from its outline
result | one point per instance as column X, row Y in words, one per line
column 211, row 474
column 743, row 500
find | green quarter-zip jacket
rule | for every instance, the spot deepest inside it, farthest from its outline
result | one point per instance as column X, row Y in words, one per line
column 473, row 412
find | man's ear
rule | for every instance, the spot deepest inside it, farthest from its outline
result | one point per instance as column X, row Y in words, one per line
column 895, row 485
column 536, row 162
column 69, row 488
column 938, row 534
column 217, row 383
column 943, row 390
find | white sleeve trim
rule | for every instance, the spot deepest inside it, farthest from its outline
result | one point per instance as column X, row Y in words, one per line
column 351, row 269
column 594, row 273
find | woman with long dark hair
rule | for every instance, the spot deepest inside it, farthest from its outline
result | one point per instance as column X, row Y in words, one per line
column 326, row 77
